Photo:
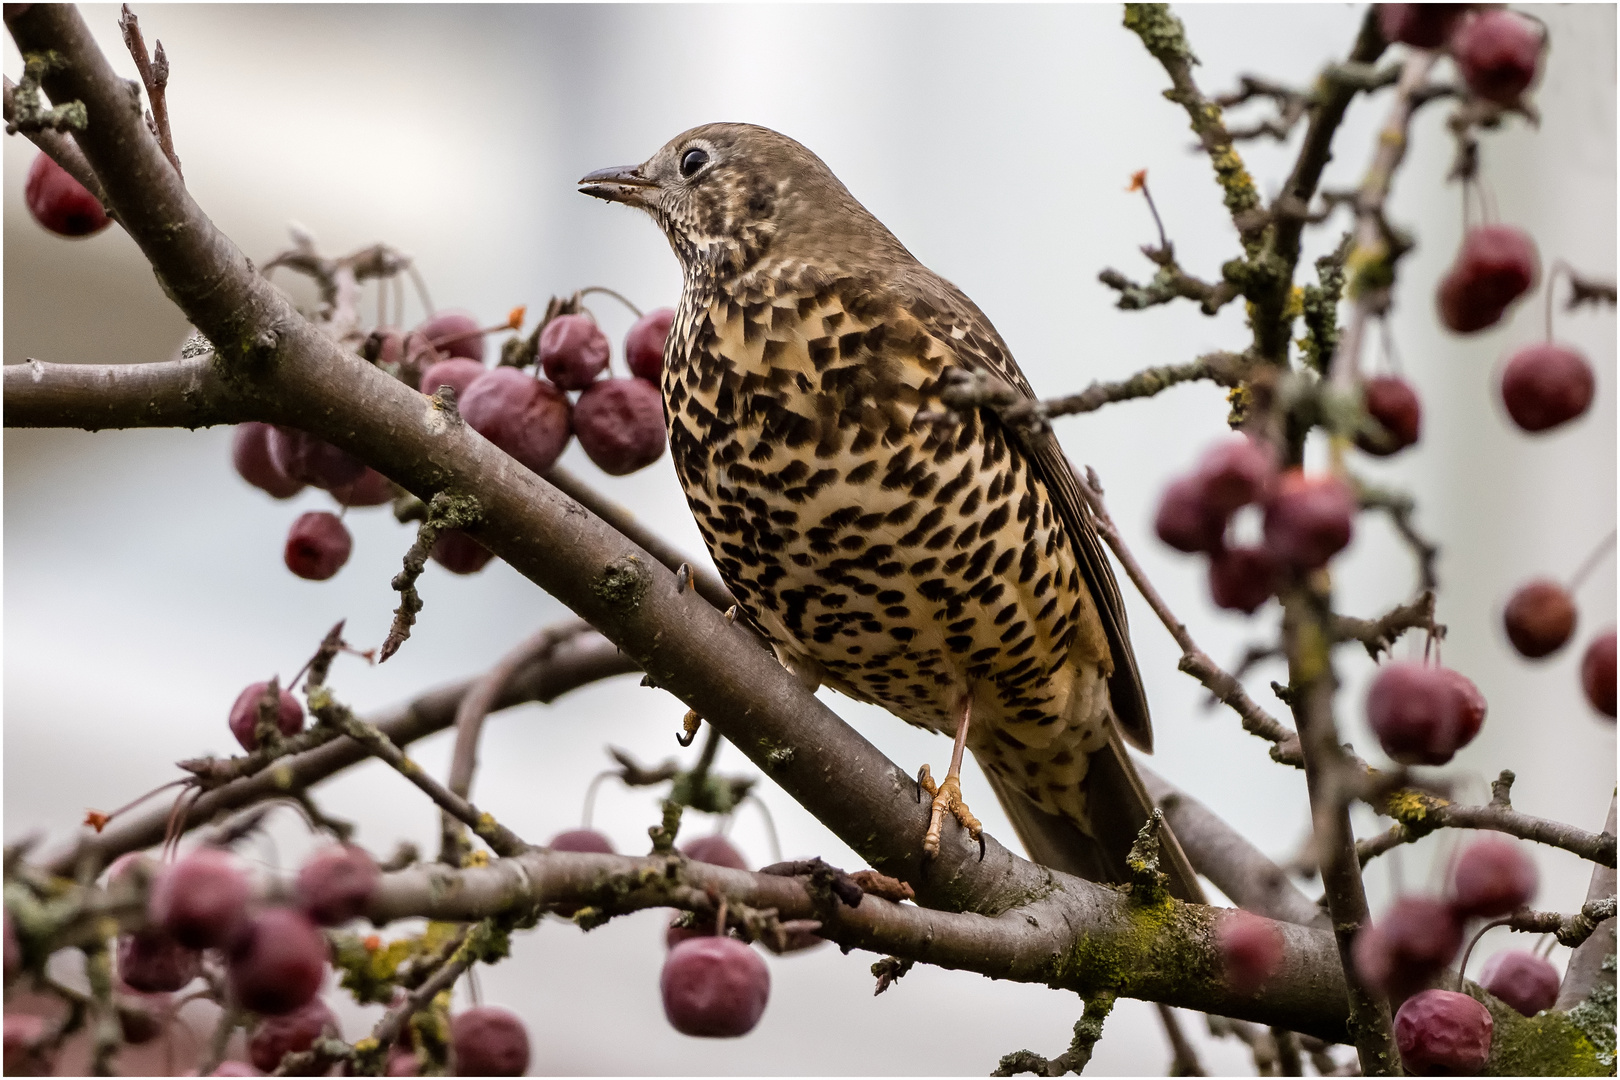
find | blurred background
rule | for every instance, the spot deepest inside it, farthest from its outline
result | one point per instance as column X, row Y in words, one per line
column 144, row 585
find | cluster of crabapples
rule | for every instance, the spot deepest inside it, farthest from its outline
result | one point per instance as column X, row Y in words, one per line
column 1439, row 1032
column 619, row 422
column 714, row 985
column 203, row 915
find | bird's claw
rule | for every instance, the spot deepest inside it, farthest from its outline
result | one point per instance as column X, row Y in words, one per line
column 947, row 800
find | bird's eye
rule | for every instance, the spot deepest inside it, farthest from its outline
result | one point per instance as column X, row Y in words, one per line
column 693, row 160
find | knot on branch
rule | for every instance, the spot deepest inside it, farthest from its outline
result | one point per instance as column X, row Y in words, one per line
column 890, row 970
column 1148, row 884
column 622, row 584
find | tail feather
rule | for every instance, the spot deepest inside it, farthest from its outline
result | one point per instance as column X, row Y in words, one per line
column 1119, row 806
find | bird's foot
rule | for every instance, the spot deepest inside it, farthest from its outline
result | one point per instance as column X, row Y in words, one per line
column 947, row 800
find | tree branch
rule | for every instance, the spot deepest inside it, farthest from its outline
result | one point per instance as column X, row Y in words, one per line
column 1586, row 967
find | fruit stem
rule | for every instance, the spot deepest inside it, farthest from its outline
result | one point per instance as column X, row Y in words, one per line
column 590, row 796
column 720, row 920
column 1605, row 546
column 1462, row 968
column 1552, row 279
column 587, row 290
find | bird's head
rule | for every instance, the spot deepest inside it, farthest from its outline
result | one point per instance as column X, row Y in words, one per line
column 724, row 194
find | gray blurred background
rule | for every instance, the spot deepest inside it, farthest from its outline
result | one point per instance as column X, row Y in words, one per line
column 144, row 583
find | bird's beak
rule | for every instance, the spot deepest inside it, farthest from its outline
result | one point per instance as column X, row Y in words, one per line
column 624, row 184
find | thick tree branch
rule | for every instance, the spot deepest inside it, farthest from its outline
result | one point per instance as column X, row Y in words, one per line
column 61, row 148
column 188, row 393
column 1586, row 965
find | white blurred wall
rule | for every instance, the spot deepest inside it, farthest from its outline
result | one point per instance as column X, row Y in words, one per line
column 144, row 585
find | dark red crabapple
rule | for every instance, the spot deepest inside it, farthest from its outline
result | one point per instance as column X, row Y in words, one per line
column 152, row 962
column 318, row 544
column 1242, row 578
column 276, row 961
column 1415, row 711
column 250, row 453
column 644, row 344
column 1493, row 877
column 1185, row 521
column 488, row 1040
column 1597, row 673
column 1309, row 519
column 573, row 351
column 715, row 850
column 59, row 202
column 1522, row 979
column 1234, row 473
column 245, row 715
column 454, row 333
column 372, row 489
column 1425, row 26
column 201, row 898
column 1496, row 266
column 1539, row 618
column 525, row 416
column 1441, row 1033
column 1498, row 51
column 336, row 883
column 458, row 373
column 714, row 987
column 25, row 1037
column 1394, row 405
column 1251, row 950
column 292, row 1033
column 459, row 553
column 1414, row 941
column 1545, row 385
column 302, row 457
column 581, row 840
column 1470, row 705
column 620, row 424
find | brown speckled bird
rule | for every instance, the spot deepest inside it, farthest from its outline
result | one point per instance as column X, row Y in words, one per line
column 950, row 573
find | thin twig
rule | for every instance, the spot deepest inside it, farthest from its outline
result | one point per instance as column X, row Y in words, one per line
column 1183, row 1057
column 155, row 77
column 1380, row 634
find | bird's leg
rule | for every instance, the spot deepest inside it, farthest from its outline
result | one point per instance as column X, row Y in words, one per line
column 948, row 794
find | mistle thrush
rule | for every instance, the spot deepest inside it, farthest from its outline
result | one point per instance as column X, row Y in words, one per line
column 950, row 573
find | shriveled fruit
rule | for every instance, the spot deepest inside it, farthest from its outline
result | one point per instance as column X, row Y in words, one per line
column 1545, row 385
column 250, row 453
column 1309, row 519
column 620, row 424
column 245, row 715
column 372, row 489
column 644, row 344
column 459, row 553
column 1597, row 673
column 1186, row 521
column 151, row 961
column 1498, row 51
column 1234, row 473
column 525, row 416
column 714, row 987
column 336, row 884
column 1251, row 950
column 276, row 961
column 1493, row 877
column 715, row 850
column 1522, row 979
column 1496, row 265
column 489, row 1041
column 292, row 1033
column 200, row 899
column 1242, row 578
column 1413, row 942
column 1441, row 1033
column 1394, row 405
column 454, row 333
column 1539, row 618
column 573, row 351
column 1425, row 26
column 1415, row 710
column 59, row 202
column 309, row 460
column 581, row 840
column 318, row 544
column 458, row 373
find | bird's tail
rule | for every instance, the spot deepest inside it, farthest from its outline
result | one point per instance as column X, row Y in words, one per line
column 1119, row 806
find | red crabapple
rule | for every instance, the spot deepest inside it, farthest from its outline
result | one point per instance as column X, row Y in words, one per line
column 581, row 840
column 1498, row 52
column 1242, row 578
column 620, row 424
column 459, row 553
column 1522, row 979
column 1234, row 473
column 714, row 987
column 201, row 898
column 1185, row 521
column 1394, row 405
column 1251, row 950
column 715, row 850
column 59, row 202
column 1546, row 385
column 1597, row 672
column 372, row 489
column 276, row 961
column 292, row 1033
column 458, row 373
column 336, row 884
column 1416, row 711
column 1493, row 877
column 1413, row 942
column 318, row 544
column 525, row 416
column 454, row 333
column 1441, row 1033
column 489, row 1041
column 1539, row 618
column 1424, row 26
column 152, row 962
column 250, row 453
column 1496, row 265
column 644, row 344
column 245, row 715
column 1309, row 519
column 309, row 460
column 573, row 351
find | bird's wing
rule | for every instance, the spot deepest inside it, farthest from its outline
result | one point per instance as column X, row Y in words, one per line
column 957, row 323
